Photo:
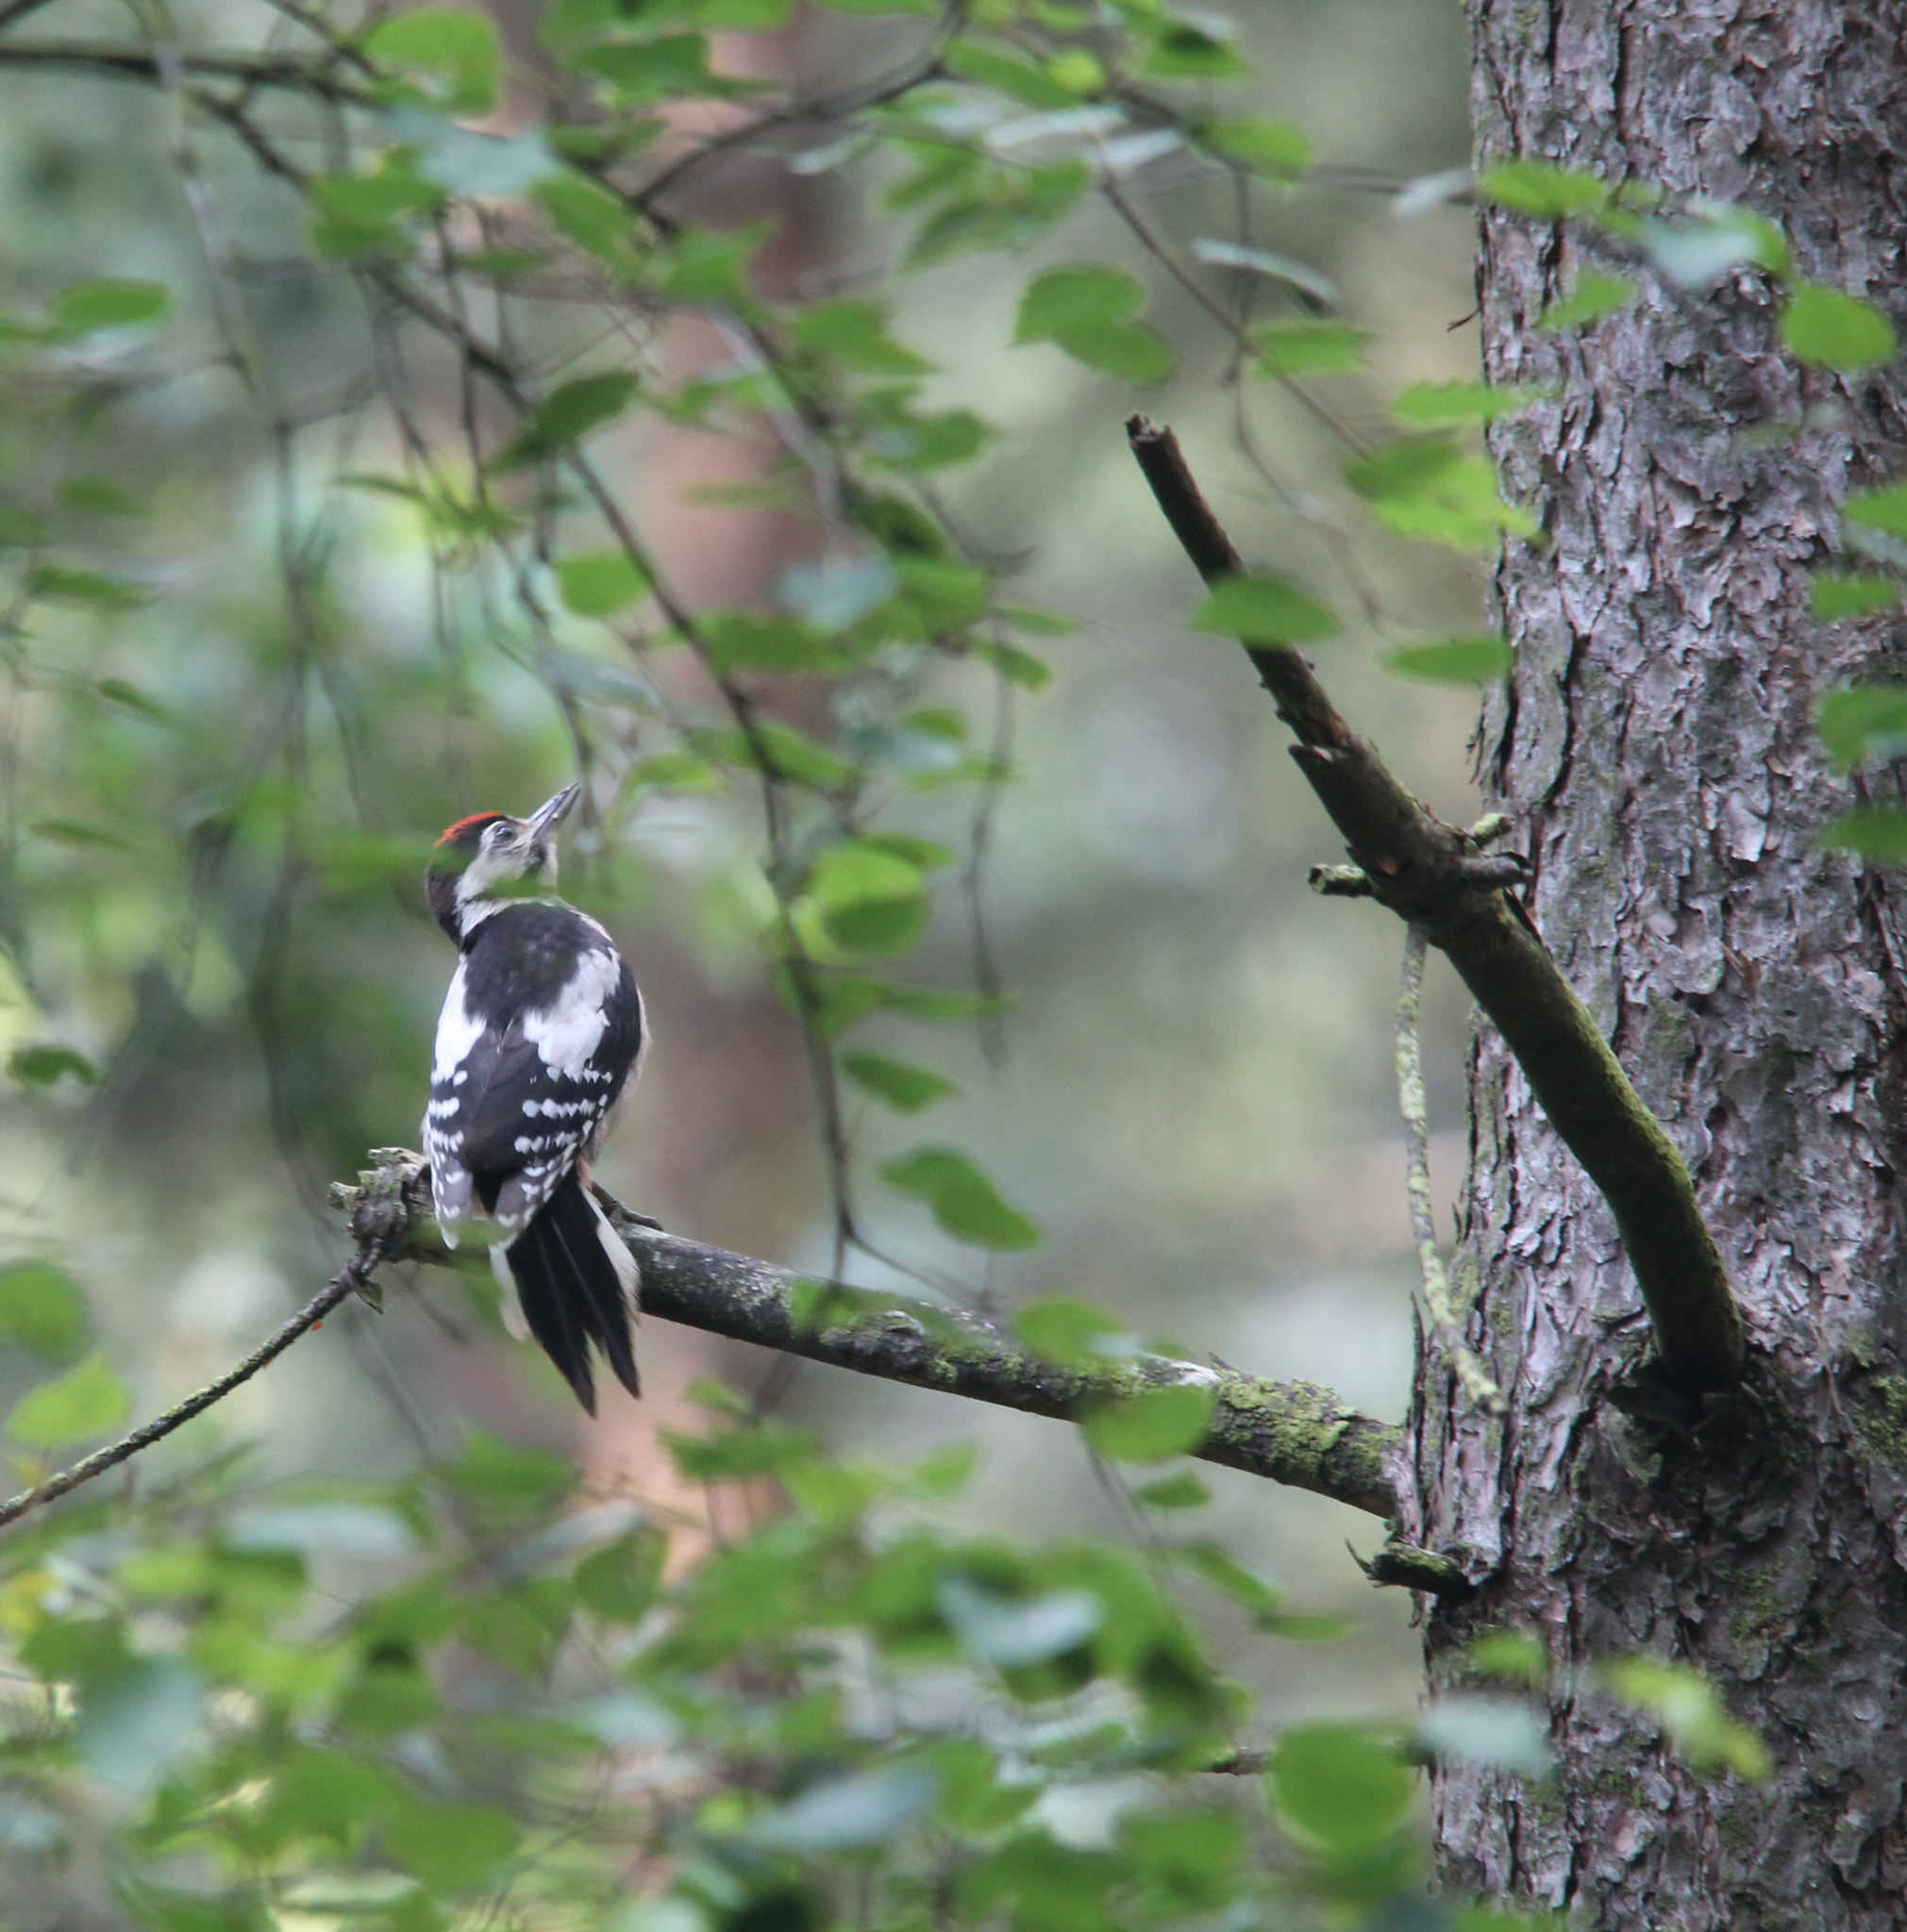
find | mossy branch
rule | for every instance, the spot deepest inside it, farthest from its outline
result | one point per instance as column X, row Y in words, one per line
column 1290, row 1432
column 1433, row 875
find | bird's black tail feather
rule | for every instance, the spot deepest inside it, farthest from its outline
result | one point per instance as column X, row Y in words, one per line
column 573, row 1290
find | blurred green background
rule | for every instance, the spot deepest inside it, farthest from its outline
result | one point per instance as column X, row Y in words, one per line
column 220, row 782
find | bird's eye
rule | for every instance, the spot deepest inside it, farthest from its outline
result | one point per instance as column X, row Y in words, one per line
column 499, row 833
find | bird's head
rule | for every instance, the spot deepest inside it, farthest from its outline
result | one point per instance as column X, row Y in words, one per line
column 491, row 857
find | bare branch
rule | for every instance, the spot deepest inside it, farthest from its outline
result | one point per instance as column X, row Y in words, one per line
column 1427, row 873
column 116, row 60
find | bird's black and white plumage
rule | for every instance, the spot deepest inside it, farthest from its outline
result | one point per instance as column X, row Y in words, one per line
column 540, row 1030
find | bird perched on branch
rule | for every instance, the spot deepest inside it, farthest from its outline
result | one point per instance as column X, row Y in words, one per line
column 541, row 1029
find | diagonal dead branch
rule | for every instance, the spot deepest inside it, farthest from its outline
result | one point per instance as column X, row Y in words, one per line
column 1426, row 872
column 316, row 77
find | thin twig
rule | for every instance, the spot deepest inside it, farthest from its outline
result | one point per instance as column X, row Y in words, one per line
column 352, row 1278
column 1470, row 1371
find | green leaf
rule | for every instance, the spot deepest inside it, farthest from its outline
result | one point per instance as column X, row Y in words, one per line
column 1010, row 1632
column 872, row 900
column 1306, row 348
column 86, row 1401
column 673, row 66
column 1836, row 595
column 468, row 162
column 455, row 49
column 862, row 1809
column 109, row 304
column 21, row 529
column 1086, row 313
column 676, row 771
column 1457, row 660
column 1403, row 468
column 906, row 1088
column 1073, row 1333
column 1019, row 80
column 1486, row 1730
column 1876, row 832
column 1277, row 148
column 365, row 214
column 47, row 1065
column 1511, row 1655
column 964, row 1201
column 945, row 596
column 1691, row 1714
column 903, row 438
column 588, row 216
column 1699, row 245
column 507, row 1480
column 1016, row 666
column 1187, row 1859
column 115, row 691
column 1424, row 486
column 1822, row 326
column 1424, row 404
column 1008, row 211
column 1181, row 1492
column 1879, row 510
column 57, row 584
column 853, row 330
column 1185, row 50
column 741, row 1455
column 836, row 592
column 621, row 1580
column 1264, row 609
column 1337, row 1783
column 1863, row 720
column 96, row 496
column 41, row 1309
column 1542, row 187
column 136, row 1722
column 598, row 583
column 1153, row 1423
column 76, row 832
column 455, row 1848
column 744, row 641
column 1595, row 295
column 565, row 416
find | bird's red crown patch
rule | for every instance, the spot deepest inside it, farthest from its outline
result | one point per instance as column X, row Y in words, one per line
column 474, row 823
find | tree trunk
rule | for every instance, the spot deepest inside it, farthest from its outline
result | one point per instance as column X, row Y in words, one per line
column 1657, row 752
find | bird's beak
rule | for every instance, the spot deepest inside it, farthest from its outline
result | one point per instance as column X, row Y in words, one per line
column 553, row 812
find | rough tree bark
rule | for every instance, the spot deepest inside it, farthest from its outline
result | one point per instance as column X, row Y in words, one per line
column 1657, row 751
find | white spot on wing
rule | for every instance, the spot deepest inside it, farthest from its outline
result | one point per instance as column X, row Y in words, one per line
column 570, row 1028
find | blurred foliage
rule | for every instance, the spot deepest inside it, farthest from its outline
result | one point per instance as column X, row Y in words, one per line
column 293, row 299
column 474, row 1697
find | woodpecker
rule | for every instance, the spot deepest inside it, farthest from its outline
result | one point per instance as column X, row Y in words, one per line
column 540, row 1030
